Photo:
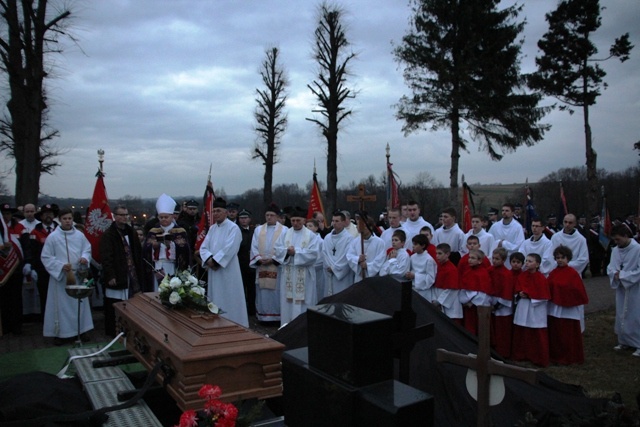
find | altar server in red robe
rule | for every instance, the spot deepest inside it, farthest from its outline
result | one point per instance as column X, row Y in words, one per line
column 473, row 243
column 502, row 283
column 530, row 337
column 564, row 314
column 446, row 285
column 475, row 290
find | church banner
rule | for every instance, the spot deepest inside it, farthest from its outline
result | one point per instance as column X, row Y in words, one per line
column 99, row 217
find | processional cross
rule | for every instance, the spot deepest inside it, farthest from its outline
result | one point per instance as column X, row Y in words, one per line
column 485, row 366
column 361, row 198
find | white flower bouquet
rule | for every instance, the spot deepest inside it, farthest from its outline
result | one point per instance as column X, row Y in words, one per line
column 185, row 290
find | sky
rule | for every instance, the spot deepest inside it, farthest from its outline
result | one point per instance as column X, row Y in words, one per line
column 167, row 87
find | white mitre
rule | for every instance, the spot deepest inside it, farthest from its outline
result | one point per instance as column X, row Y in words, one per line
column 165, row 204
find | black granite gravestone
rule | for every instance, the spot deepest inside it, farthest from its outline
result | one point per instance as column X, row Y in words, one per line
column 350, row 343
column 345, row 376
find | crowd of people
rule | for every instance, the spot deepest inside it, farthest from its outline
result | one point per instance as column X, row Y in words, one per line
column 276, row 269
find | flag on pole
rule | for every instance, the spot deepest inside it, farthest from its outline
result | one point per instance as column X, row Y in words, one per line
column 467, row 206
column 393, row 188
column 99, row 216
column 206, row 220
column 315, row 200
column 563, row 200
column 530, row 209
column 605, row 222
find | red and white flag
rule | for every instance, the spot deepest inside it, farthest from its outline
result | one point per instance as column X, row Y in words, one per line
column 206, row 220
column 99, row 217
column 315, row 200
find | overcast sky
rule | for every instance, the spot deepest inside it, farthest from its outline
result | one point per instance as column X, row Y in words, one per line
column 167, row 87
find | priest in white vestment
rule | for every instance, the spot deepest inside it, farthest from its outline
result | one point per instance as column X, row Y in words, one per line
column 539, row 244
column 508, row 233
column 624, row 274
column 368, row 263
column 267, row 269
column 487, row 242
column 64, row 251
column 571, row 238
column 338, row 275
column 414, row 223
column 219, row 252
column 297, row 250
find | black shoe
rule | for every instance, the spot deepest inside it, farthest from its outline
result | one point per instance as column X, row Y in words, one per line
column 57, row 341
column 85, row 337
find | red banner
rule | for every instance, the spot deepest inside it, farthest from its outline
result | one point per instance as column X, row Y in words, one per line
column 9, row 258
column 315, row 201
column 393, row 193
column 466, row 209
column 206, row 218
column 99, row 217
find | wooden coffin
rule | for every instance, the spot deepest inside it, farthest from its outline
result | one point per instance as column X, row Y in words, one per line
column 199, row 349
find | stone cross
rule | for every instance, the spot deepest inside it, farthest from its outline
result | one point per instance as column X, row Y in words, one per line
column 485, row 366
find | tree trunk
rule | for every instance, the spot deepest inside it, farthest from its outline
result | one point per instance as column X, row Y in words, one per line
column 332, row 170
column 455, row 158
column 592, row 173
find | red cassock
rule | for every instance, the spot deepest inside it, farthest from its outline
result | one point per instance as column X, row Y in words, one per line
column 531, row 343
column 447, row 278
column 565, row 336
column 474, row 279
column 502, row 283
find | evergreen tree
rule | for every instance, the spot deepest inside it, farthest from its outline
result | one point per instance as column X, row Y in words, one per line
column 462, row 63
column 569, row 70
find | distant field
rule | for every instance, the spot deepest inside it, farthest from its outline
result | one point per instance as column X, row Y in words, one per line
column 493, row 196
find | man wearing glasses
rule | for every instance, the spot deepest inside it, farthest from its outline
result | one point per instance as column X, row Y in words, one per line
column 122, row 272
column 538, row 244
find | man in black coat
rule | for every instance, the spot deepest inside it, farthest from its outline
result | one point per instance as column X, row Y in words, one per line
column 122, row 271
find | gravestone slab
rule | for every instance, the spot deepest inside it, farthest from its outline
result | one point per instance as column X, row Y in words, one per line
column 350, row 343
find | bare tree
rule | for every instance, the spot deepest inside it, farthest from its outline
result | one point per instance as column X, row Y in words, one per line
column 330, row 49
column 270, row 117
column 32, row 30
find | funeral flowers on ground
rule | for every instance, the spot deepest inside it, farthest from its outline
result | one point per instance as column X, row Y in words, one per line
column 216, row 413
column 184, row 289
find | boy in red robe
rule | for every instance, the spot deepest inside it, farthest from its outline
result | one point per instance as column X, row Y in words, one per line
column 446, row 285
column 564, row 314
column 473, row 243
column 530, row 337
column 502, row 283
column 475, row 290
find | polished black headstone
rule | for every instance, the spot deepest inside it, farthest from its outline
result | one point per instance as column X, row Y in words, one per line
column 312, row 398
column 350, row 343
column 392, row 403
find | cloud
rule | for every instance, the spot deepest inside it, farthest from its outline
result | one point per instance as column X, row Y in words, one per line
column 167, row 87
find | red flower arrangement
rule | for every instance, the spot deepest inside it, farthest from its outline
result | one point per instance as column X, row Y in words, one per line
column 216, row 413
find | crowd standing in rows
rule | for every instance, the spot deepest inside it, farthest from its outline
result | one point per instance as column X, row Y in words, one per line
column 276, row 270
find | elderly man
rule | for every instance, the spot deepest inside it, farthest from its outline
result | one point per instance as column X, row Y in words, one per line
column 122, row 270
column 267, row 289
column 166, row 248
column 219, row 252
column 297, row 250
